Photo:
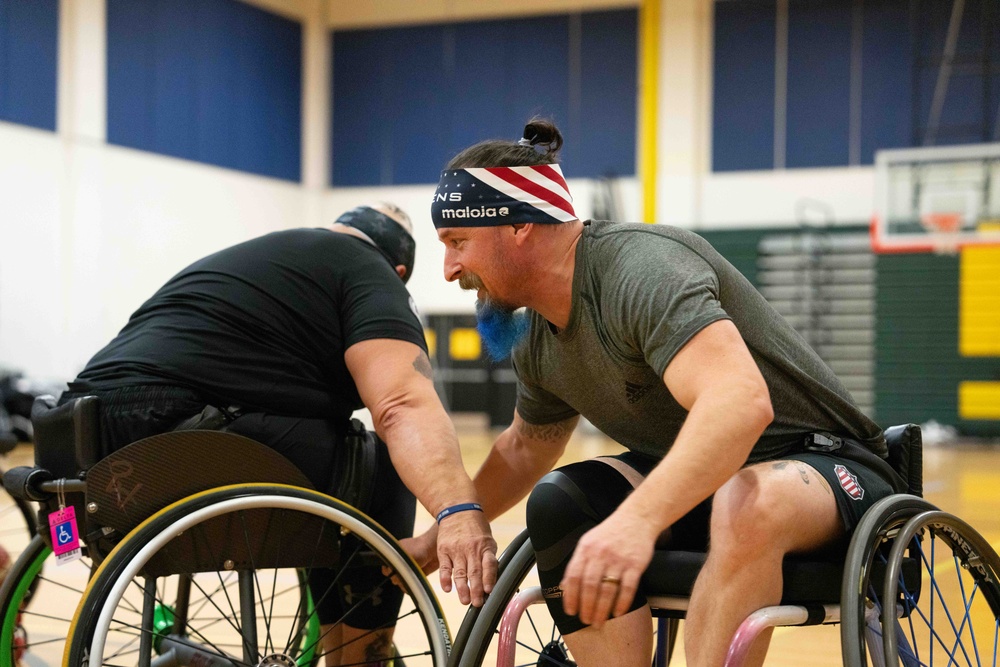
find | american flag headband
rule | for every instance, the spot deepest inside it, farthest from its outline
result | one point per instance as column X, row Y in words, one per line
column 493, row 196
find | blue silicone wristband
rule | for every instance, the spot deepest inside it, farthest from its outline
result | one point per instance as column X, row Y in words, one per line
column 454, row 509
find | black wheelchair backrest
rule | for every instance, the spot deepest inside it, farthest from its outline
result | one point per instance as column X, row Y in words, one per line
column 906, row 455
column 66, row 436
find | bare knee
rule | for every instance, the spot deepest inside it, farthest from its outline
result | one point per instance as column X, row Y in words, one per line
column 748, row 515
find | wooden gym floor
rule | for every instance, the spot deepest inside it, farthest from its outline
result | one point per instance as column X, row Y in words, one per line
column 962, row 478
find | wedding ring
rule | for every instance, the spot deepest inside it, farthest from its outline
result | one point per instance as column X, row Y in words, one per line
column 607, row 579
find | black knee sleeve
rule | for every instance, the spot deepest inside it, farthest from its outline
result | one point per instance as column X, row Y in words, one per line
column 563, row 506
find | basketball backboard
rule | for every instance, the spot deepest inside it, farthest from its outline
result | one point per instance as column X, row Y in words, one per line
column 936, row 199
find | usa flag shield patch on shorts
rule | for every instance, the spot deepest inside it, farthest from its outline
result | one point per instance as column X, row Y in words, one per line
column 849, row 482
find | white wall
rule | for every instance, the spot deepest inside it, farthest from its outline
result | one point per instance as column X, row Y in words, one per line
column 91, row 230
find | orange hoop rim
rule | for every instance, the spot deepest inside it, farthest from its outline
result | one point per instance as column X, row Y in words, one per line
column 942, row 223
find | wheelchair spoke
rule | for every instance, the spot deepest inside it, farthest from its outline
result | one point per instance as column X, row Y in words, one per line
column 534, row 627
column 179, row 640
column 936, row 589
column 274, row 580
column 933, row 633
column 316, row 604
column 348, row 613
column 330, row 589
column 542, row 657
column 968, row 606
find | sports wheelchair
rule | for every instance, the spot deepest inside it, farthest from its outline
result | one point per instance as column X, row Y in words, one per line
column 197, row 547
column 916, row 585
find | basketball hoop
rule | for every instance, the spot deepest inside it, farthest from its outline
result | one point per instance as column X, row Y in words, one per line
column 935, row 199
column 944, row 229
column 942, row 223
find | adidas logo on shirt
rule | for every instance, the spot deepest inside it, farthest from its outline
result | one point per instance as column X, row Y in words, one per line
column 634, row 391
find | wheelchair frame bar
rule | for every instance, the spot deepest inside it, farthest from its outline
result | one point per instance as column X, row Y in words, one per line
column 739, row 648
column 773, row 617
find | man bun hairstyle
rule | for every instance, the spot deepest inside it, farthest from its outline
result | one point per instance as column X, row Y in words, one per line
column 542, row 132
column 539, row 132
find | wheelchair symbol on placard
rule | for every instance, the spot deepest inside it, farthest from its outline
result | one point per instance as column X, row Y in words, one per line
column 63, row 534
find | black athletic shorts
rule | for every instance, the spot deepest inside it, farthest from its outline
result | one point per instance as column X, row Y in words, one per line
column 856, row 487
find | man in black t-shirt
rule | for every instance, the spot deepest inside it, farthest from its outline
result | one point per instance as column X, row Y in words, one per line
column 288, row 334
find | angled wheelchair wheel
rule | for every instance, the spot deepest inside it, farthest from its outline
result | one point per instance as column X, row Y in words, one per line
column 36, row 606
column 952, row 615
column 215, row 579
column 17, row 527
column 17, row 523
column 487, row 640
column 861, row 633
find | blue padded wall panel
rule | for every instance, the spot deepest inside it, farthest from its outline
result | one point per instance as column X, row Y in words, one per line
column 405, row 100
column 819, row 83
column 360, row 137
column 606, row 139
column 217, row 81
column 29, row 36
column 743, row 91
column 964, row 118
column 887, row 78
column 478, row 85
column 505, row 73
column 389, row 114
column 414, row 106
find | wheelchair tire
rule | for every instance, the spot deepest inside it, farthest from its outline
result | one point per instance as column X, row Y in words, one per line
column 481, row 626
column 109, row 603
column 865, row 565
column 17, row 519
column 959, row 566
column 17, row 526
column 35, row 613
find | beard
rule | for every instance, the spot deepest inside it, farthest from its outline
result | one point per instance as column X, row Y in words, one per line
column 500, row 325
column 500, row 328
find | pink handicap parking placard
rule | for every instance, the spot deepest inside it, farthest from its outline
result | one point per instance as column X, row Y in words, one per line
column 65, row 537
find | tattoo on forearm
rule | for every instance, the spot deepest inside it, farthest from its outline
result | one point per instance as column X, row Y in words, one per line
column 780, row 465
column 547, row 432
column 423, row 366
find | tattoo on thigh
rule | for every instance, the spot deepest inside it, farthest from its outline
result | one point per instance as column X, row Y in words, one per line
column 423, row 366
column 780, row 465
column 803, row 472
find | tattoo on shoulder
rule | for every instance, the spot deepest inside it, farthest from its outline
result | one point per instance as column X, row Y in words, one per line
column 780, row 465
column 423, row 365
column 548, row 432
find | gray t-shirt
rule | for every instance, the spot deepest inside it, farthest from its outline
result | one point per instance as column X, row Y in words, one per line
column 640, row 293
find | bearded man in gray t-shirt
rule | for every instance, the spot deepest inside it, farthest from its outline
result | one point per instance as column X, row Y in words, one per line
column 658, row 341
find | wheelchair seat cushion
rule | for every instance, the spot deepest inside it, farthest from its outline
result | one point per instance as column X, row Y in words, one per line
column 807, row 581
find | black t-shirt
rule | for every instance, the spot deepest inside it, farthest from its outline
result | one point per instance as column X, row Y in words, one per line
column 264, row 325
